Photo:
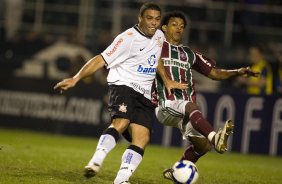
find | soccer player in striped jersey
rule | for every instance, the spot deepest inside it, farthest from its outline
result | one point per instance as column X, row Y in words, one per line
column 180, row 109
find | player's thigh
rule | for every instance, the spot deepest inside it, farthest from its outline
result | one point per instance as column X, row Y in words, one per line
column 121, row 105
column 171, row 112
column 176, row 107
column 143, row 113
column 189, row 131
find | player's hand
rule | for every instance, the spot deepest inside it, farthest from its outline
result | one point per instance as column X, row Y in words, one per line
column 65, row 84
column 174, row 85
column 248, row 72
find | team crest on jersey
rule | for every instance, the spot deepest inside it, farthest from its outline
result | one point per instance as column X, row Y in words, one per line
column 152, row 60
column 183, row 56
column 123, row 108
column 159, row 41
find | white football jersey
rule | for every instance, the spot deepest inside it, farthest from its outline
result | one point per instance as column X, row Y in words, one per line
column 132, row 59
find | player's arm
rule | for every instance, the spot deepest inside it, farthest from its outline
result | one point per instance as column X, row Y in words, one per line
column 169, row 84
column 109, row 57
column 261, row 82
column 88, row 69
column 221, row 74
column 206, row 66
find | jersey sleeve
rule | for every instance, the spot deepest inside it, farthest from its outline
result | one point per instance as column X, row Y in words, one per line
column 203, row 64
column 118, row 51
column 165, row 50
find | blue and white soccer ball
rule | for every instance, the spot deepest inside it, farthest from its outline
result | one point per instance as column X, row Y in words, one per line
column 185, row 172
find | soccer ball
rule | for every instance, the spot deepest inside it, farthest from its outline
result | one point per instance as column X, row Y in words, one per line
column 185, row 172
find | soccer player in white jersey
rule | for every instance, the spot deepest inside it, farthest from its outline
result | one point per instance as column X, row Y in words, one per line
column 179, row 109
column 132, row 61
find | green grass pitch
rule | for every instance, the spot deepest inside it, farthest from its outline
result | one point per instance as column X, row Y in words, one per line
column 36, row 158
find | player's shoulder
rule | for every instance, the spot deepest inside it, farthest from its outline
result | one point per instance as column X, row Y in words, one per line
column 189, row 49
column 160, row 35
column 159, row 32
column 128, row 34
column 131, row 32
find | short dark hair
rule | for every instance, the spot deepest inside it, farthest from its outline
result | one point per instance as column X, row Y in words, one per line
column 173, row 14
column 149, row 6
column 258, row 46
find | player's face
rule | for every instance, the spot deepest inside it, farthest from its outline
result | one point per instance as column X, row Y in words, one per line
column 149, row 22
column 254, row 55
column 174, row 30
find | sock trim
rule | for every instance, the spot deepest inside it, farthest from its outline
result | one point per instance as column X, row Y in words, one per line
column 136, row 149
column 211, row 136
column 113, row 132
column 195, row 111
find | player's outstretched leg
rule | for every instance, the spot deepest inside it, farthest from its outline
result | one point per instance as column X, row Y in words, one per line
column 106, row 143
column 221, row 137
column 130, row 160
column 199, row 147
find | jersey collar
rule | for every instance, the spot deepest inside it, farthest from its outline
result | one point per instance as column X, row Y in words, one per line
column 180, row 45
column 139, row 31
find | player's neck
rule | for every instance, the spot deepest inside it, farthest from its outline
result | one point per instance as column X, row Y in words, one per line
column 141, row 31
column 173, row 42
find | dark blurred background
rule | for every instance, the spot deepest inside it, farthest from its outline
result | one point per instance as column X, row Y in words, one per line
column 222, row 30
column 44, row 41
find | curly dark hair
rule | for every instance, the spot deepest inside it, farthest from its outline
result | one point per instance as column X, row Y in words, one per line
column 173, row 14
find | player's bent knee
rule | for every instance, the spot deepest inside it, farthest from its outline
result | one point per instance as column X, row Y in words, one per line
column 141, row 141
column 205, row 148
column 120, row 124
column 190, row 107
column 201, row 145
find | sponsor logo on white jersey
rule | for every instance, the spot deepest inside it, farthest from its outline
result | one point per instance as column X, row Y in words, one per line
column 115, row 47
column 137, row 87
column 148, row 70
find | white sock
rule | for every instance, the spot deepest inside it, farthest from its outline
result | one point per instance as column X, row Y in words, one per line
column 211, row 135
column 105, row 145
column 129, row 162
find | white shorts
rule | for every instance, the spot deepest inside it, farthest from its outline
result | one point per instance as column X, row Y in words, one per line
column 171, row 113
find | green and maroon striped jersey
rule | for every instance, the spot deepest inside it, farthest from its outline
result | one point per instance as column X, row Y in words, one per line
column 179, row 62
